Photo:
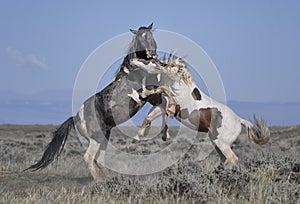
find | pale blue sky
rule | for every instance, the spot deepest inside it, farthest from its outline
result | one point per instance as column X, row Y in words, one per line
column 254, row 44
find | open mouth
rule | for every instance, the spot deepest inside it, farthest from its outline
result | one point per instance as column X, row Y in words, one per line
column 145, row 58
column 151, row 54
column 153, row 59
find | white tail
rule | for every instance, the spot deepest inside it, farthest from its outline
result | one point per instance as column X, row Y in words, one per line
column 257, row 132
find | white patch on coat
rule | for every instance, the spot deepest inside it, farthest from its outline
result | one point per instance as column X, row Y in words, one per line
column 101, row 157
column 144, row 82
column 135, row 96
column 82, row 120
column 126, row 70
column 158, row 77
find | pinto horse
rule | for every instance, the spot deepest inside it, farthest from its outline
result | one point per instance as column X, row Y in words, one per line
column 115, row 104
column 199, row 112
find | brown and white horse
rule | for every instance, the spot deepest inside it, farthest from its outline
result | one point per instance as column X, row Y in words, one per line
column 199, row 112
column 115, row 104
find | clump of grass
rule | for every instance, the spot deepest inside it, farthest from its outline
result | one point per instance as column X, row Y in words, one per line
column 256, row 181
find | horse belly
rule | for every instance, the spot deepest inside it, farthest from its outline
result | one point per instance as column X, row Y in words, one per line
column 187, row 123
column 203, row 119
column 123, row 107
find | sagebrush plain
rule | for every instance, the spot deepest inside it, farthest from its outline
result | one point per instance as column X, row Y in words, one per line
column 265, row 174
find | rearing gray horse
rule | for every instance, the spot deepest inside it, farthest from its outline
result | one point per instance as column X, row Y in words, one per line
column 115, row 104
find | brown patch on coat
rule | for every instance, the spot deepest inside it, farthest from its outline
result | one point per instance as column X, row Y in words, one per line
column 207, row 120
column 177, row 109
column 216, row 123
column 196, row 94
column 201, row 118
column 181, row 113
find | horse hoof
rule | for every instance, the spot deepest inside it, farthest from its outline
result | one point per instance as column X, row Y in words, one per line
column 135, row 141
column 166, row 139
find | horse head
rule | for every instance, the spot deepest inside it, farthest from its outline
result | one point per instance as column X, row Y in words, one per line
column 143, row 45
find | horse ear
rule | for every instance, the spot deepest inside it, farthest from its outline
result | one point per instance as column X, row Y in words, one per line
column 150, row 26
column 133, row 31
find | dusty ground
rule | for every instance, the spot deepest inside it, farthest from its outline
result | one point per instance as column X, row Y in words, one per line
column 268, row 174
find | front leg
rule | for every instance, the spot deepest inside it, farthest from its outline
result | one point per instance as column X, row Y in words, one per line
column 171, row 103
column 171, row 109
column 154, row 113
column 165, row 128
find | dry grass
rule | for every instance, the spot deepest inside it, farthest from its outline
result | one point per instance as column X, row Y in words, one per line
column 268, row 174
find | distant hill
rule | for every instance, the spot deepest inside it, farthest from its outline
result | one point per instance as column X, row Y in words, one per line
column 53, row 107
column 46, row 107
column 275, row 113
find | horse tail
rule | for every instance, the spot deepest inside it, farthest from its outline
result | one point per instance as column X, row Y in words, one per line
column 55, row 147
column 257, row 132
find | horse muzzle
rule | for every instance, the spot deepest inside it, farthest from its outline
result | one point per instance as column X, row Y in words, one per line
column 151, row 54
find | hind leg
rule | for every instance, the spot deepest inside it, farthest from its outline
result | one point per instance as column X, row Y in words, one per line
column 100, row 163
column 228, row 158
column 89, row 158
column 100, row 158
column 223, row 138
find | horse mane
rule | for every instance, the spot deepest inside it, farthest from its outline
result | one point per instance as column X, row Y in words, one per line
column 176, row 66
column 126, row 62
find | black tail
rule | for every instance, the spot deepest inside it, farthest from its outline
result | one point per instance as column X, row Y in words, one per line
column 55, row 147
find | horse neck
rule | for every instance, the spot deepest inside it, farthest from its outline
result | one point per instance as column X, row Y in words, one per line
column 179, row 87
column 182, row 90
column 125, row 64
column 130, row 54
column 182, row 87
column 128, row 57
